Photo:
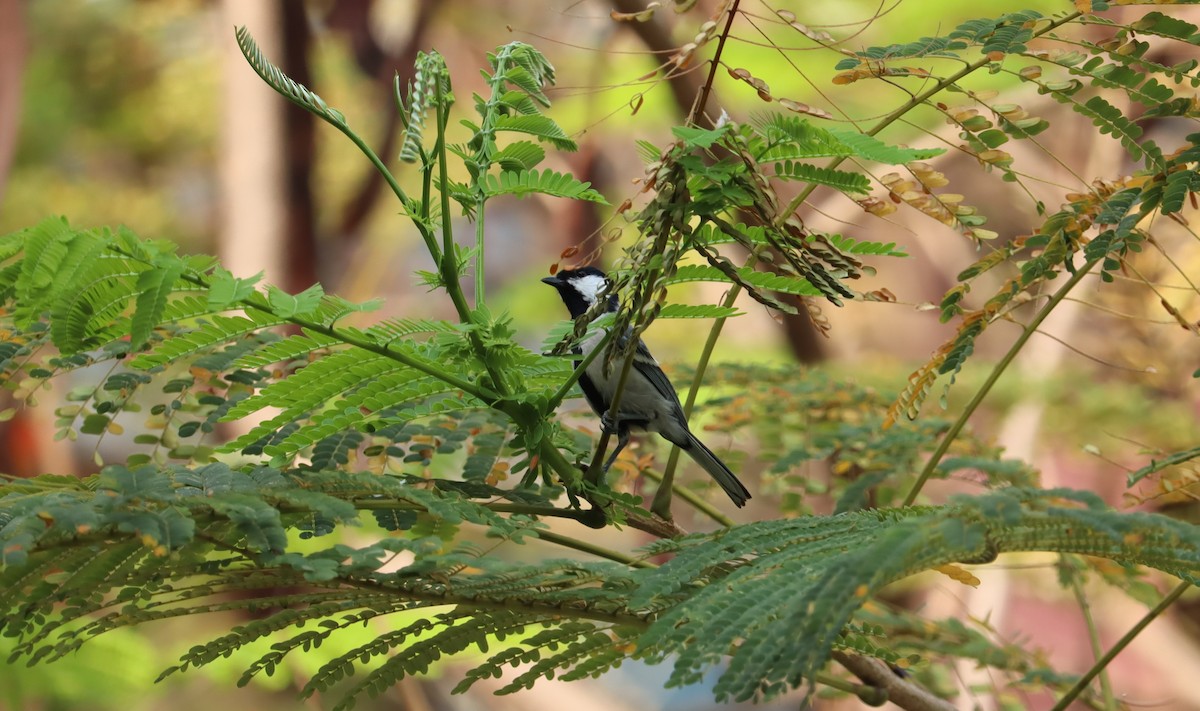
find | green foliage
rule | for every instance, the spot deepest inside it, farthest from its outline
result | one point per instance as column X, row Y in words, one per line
column 412, row 430
column 829, row 566
column 291, row 90
column 547, row 182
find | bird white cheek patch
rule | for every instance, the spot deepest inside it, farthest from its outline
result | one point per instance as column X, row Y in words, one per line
column 590, row 287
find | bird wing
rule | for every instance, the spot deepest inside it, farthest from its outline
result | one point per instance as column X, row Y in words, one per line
column 650, row 370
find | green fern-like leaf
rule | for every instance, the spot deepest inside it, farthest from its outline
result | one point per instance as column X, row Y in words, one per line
column 546, row 182
column 1109, row 119
column 288, row 349
column 216, row 331
column 842, row 180
column 519, row 156
column 850, row 245
column 429, row 71
column 290, row 89
column 1156, row 23
column 763, row 280
column 1178, row 186
column 540, row 126
column 155, row 285
column 871, row 148
column 84, row 317
column 698, row 311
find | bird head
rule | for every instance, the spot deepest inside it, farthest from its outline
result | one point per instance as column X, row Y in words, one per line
column 581, row 288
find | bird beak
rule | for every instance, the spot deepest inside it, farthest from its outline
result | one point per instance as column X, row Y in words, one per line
column 552, row 281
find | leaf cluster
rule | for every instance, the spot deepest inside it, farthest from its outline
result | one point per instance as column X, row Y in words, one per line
column 413, row 429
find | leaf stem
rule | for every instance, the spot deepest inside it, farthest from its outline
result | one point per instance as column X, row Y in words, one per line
column 715, row 62
column 257, row 303
column 869, row 695
column 938, row 86
column 710, row 344
column 795, row 203
column 498, row 507
column 593, row 549
column 993, row 377
column 1103, row 662
column 1074, row 576
column 565, row 388
column 422, row 228
column 698, row 502
column 448, row 265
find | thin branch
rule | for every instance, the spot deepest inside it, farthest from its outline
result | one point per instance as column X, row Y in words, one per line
column 994, row 376
column 900, row 691
column 706, row 89
column 1103, row 662
column 593, row 549
column 1085, row 607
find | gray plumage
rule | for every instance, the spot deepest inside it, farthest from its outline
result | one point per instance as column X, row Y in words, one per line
column 649, row 401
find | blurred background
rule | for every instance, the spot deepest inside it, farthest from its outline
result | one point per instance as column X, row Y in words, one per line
column 144, row 113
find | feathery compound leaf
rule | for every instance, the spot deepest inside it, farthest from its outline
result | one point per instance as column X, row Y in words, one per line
column 1109, row 119
column 779, row 593
column 850, row 245
column 546, row 182
column 429, row 71
column 155, row 286
column 83, row 316
column 540, row 126
column 216, row 331
column 520, row 155
column 46, row 247
column 287, row 349
column 291, row 90
column 764, row 280
column 317, row 382
column 225, row 290
column 871, row 148
column 698, row 311
column 793, row 137
column 286, row 305
column 1179, row 185
column 842, row 180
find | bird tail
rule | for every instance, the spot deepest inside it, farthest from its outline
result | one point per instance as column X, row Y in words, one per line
column 716, row 469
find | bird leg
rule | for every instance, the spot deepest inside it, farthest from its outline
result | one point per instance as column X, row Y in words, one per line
column 609, row 426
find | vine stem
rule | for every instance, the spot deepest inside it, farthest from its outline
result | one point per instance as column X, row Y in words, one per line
column 993, row 377
column 390, row 179
column 1103, row 662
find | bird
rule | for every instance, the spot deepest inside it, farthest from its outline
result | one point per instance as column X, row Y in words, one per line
column 649, row 401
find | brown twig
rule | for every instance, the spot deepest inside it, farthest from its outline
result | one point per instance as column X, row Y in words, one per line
column 900, row 691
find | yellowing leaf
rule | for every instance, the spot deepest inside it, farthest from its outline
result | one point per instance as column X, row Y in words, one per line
column 958, row 574
column 804, row 109
column 641, row 16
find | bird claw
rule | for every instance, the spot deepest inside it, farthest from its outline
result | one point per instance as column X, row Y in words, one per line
column 607, row 424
